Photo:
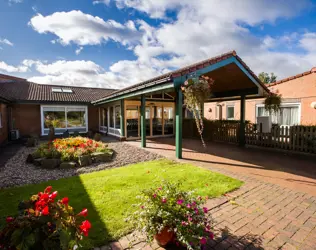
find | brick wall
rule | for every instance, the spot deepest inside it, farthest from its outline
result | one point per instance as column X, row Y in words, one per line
column 300, row 90
column 4, row 123
column 27, row 118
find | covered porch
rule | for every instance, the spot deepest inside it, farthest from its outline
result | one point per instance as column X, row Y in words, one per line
column 154, row 108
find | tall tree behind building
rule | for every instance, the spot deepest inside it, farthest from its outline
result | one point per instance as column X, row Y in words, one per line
column 266, row 78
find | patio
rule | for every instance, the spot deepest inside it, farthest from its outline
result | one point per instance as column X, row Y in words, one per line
column 275, row 209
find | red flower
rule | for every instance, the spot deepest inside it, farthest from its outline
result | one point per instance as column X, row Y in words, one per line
column 44, row 197
column 45, row 211
column 48, row 189
column 203, row 241
column 9, row 219
column 211, row 236
column 85, row 227
column 53, row 195
column 65, row 200
column 83, row 213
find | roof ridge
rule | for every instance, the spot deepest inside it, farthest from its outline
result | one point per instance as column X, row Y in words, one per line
column 313, row 70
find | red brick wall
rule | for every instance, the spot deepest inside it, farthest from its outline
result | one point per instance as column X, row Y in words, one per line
column 27, row 118
column 4, row 123
column 301, row 90
column 93, row 118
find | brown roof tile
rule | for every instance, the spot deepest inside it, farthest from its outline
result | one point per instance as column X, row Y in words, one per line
column 313, row 70
column 29, row 91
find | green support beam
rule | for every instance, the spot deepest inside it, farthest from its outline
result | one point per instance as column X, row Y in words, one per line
column 242, row 136
column 143, row 121
column 179, row 104
column 122, row 119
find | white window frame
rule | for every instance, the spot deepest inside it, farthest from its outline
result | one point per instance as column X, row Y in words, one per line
column 290, row 104
column 65, row 107
column 111, row 130
column 230, row 106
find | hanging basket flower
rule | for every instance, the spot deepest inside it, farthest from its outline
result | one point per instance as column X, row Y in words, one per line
column 272, row 102
column 196, row 91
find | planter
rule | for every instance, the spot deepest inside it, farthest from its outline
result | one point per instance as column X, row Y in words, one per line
column 164, row 237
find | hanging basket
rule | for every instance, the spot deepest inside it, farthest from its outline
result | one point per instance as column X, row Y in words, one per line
column 272, row 103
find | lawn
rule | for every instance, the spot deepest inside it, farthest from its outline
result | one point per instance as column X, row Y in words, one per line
column 108, row 195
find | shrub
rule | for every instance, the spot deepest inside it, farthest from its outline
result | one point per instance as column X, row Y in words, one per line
column 179, row 211
column 44, row 223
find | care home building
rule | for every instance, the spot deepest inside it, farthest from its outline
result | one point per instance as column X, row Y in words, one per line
column 153, row 108
column 298, row 103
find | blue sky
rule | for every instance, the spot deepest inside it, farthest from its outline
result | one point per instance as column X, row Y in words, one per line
column 116, row 43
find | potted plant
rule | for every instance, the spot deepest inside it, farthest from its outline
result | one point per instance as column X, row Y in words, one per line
column 45, row 223
column 170, row 215
column 272, row 102
column 196, row 91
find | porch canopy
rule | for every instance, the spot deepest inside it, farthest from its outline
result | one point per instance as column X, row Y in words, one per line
column 233, row 80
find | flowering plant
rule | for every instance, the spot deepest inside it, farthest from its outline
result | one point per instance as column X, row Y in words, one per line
column 181, row 212
column 196, row 92
column 45, row 223
column 273, row 101
column 69, row 149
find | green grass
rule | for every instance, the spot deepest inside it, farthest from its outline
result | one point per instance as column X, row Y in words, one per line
column 109, row 194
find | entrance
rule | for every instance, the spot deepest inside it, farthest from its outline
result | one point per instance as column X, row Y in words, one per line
column 159, row 119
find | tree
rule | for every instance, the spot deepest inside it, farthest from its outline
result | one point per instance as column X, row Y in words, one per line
column 266, row 78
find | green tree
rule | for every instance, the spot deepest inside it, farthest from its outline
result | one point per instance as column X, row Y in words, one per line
column 266, row 78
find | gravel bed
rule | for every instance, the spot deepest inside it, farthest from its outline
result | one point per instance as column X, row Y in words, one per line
column 17, row 172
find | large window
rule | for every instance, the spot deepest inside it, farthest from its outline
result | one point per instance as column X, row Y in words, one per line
column 117, row 116
column 112, row 117
column 288, row 114
column 62, row 118
column 230, row 112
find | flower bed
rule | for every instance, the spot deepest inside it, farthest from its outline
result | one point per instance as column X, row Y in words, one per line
column 70, row 152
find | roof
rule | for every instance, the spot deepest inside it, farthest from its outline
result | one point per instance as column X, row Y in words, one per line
column 24, row 91
column 183, row 71
column 313, row 70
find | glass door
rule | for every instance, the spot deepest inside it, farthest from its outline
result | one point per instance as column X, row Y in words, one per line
column 132, row 121
column 156, row 120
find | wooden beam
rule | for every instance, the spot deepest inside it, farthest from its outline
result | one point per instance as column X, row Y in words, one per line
column 143, row 121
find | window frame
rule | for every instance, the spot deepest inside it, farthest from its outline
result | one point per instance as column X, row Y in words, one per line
column 283, row 105
column 65, row 109
column 230, row 106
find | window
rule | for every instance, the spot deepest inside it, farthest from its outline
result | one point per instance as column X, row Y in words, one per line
column 62, row 118
column 111, row 117
column 288, row 114
column 230, row 113
column 56, row 90
column 67, row 90
column 168, row 114
column 117, row 116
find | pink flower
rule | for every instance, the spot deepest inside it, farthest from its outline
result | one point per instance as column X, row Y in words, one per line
column 142, row 207
column 188, row 205
column 190, row 219
column 211, row 236
column 184, row 223
column 180, row 202
column 203, row 241
column 196, row 211
column 164, row 200
column 205, row 210
column 154, row 195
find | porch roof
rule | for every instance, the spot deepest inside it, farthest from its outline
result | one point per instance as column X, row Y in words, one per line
column 231, row 74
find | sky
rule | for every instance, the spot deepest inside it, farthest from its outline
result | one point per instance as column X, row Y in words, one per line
column 118, row 43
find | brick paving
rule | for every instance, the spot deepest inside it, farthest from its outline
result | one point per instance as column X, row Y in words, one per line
column 259, row 215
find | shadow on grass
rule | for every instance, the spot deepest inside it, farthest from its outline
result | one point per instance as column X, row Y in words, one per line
column 79, row 198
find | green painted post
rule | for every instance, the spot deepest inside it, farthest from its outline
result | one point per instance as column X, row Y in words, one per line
column 143, row 121
column 179, row 101
column 122, row 119
column 242, row 136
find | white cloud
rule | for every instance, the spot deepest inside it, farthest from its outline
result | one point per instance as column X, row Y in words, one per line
column 200, row 29
column 6, row 42
column 6, row 68
column 106, row 2
column 78, row 51
column 15, row 1
column 84, row 29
